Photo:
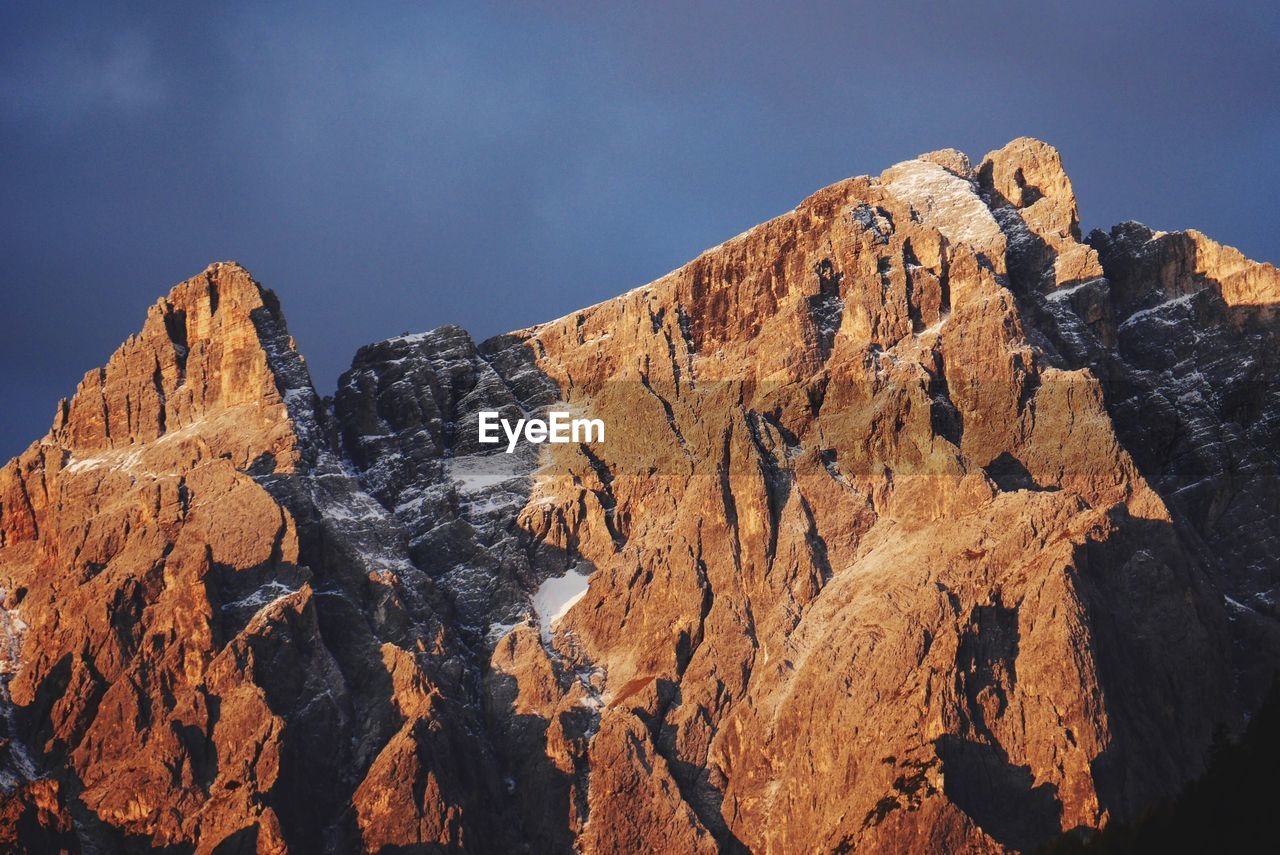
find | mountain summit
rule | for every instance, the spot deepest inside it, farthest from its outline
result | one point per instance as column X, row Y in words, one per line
column 923, row 524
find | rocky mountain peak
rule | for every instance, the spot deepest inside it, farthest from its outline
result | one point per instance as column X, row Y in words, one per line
column 214, row 353
column 922, row 524
column 1028, row 174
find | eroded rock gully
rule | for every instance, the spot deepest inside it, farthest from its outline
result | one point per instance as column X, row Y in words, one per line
column 922, row 525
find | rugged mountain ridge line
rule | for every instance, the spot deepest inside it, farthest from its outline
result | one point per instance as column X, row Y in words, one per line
column 923, row 524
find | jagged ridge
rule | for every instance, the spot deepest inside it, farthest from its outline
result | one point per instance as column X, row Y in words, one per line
column 923, row 524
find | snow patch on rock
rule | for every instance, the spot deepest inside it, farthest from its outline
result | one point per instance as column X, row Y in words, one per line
column 556, row 596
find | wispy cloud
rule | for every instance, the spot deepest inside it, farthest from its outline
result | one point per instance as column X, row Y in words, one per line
column 70, row 80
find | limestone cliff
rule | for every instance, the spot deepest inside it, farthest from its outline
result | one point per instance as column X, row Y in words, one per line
column 923, row 524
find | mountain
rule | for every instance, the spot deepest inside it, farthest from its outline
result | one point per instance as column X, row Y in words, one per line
column 921, row 524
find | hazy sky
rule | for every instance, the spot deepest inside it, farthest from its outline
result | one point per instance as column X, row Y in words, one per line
column 394, row 166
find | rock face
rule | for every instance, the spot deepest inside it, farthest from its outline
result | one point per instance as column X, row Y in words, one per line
column 922, row 524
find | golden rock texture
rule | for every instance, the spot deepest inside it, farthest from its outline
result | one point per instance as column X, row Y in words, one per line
column 922, row 524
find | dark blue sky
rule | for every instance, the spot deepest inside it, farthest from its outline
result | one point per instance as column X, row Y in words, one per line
column 401, row 165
